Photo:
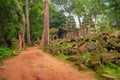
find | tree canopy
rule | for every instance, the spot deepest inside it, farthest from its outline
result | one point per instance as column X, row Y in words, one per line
column 102, row 13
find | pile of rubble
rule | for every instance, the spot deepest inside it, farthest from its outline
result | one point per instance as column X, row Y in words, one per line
column 95, row 51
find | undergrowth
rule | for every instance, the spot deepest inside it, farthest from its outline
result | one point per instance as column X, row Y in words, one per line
column 5, row 53
column 113, row 71
column 64, row 57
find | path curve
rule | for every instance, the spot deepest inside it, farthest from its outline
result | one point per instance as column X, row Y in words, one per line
column 33, row 64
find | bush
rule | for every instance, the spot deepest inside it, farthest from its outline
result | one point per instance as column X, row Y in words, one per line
column 5, row 53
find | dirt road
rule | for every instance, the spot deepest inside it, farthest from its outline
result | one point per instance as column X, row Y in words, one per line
column 33, row 64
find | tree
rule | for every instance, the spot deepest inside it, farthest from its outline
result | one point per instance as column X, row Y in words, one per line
column 36, row 14
column 87, row 21
column 79, row 9
column 45, row 36
column 8, row 20
column 57, row 19
column 12, row 23
column 63, row 5
column 70, row 23
column 96, row 10
column 114, row 12
column 27, row 23
column 21, row 22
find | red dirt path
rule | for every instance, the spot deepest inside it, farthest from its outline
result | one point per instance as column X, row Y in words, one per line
column 33, row 64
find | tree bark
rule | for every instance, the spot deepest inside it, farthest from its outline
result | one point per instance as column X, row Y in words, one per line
column 95, row 22
column 27, row 23
column 80, row 23
column 45, row 36
column 21, row 23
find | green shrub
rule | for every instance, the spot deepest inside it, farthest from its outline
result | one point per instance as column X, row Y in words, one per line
column 5, row 53
column 14, row 43
column 112, row 71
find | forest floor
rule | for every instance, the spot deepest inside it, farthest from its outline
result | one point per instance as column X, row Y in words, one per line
column 34, row 64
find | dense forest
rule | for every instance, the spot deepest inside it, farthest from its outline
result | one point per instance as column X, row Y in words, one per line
column 82, row 32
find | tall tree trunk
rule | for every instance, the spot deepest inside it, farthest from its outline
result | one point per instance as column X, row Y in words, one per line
column 28, row 26
column 95, row 22
column 21, row 23
column 80, row 23
column 45, row 36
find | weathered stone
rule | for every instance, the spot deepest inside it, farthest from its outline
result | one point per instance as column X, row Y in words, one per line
column 110, row 59
column 83, row 48
column 79, row 62
column 99, row 69
column 75, row 45
column 96, row 52
column 117, row 48
column 105, row 36
column 108, row 77
column 74, row 58
column 109, row 56
column 92, row 37
column 102, row 42
column 73, row 40
column 91, row 46
column 116, row 34
column 95, row 56
column 72, row 51
column 117, row 62
column 94, row 61
column 93, row 64
column 52, row 50
column 83, row 67
column 110, row 64
column 104, row 49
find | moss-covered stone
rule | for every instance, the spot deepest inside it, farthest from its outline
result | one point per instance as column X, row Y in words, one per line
column 108, row 77
column 117, row 62
column 83, row 67
column 80, row 61
column 72, row 51
column 90, row 51
column 74, row 58
column 83, row 48
column 93, row 64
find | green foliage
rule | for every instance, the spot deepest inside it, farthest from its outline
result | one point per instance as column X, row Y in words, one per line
column 58, row 46
column 53, row 32
column 114, row 11
column 112, row 71
column 36, row 18
column 8, row 33
column 70, row 23
column 14, row 43
column 5, row 53
column 8, row 20
column 87, row 21
column 64, row 57
column 86, row 55
column 79, row 6
column 57, row 18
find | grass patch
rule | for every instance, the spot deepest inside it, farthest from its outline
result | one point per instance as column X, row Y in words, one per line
column 108, row 70
column 86, row 55
column 5, row 53
column 112, row 71
column 64, row 57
